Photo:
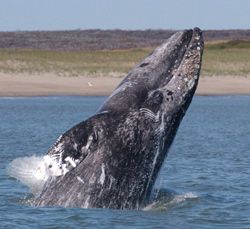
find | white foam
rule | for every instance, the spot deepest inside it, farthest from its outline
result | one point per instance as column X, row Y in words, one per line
column 183, row 197
column 160, row 205
column 34, row 171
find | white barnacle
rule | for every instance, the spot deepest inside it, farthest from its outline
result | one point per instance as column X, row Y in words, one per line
column 102, row 177
column 197, row 37
column 197, row 66
column 190, row 84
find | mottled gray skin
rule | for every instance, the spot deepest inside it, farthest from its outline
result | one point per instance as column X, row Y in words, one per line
column 120, row 150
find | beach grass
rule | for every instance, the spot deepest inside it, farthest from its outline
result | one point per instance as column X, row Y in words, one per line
column 230, row 58
column 70, row 63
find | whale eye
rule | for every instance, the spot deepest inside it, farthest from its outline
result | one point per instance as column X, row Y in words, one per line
column 157, row 97
column 154, row 100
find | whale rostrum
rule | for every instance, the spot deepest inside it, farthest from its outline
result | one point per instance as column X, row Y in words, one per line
column 112, row 159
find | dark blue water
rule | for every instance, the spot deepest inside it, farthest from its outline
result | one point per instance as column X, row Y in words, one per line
column 206, row 174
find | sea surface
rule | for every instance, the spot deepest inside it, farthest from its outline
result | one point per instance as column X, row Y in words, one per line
column 205, row 179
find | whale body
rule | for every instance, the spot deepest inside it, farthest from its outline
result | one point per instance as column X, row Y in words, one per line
column 112, row 159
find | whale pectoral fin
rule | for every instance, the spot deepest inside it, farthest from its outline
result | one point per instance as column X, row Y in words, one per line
column 73, row 146
column 70, row 148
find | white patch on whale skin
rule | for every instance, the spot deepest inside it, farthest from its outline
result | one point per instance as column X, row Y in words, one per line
column 80, row 179
column 104, row 112
column 191, row 84
column 102, row 177
column 59, row 147
column 112, row 179
column 71, row 161
column 75, row 146
column 86, row 203
column 89, row 142
column 159, row 131
column 64, row 169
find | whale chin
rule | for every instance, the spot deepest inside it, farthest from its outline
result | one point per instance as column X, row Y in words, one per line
column 112, row 159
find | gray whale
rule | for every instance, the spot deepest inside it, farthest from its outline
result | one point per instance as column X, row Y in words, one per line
column 112, row 159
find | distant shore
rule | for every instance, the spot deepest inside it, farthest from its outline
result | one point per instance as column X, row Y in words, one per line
column 92, row 62
column 52, row 85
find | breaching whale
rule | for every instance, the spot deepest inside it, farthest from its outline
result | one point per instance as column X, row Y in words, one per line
column 112, row 159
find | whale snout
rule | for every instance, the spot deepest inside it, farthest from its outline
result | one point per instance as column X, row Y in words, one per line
column 185, row 73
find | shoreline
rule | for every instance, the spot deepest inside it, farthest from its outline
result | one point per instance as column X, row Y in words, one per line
column 23, row 85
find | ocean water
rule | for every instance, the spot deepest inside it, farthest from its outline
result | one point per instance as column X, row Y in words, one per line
column 205, row 179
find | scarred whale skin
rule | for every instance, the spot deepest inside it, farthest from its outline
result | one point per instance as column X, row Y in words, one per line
column 112, row 159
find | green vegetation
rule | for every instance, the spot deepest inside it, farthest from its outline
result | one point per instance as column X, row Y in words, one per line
column 70, row 63
column 220, row 59
column 230, row 58
column 235, row 44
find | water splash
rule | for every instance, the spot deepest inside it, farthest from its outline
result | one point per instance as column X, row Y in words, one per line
column 167, row 199
column 33, row 171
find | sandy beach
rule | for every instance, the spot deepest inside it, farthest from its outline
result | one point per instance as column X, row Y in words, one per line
column 49, row 85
